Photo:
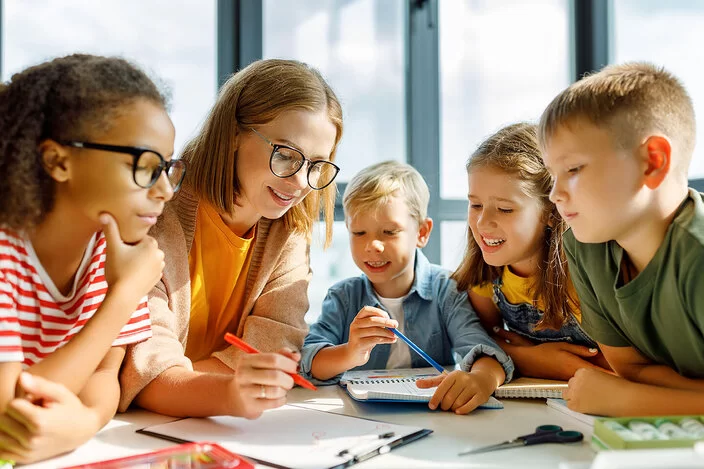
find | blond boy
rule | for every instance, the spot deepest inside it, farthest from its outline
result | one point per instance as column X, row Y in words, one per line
column 618, row 145
column 386, row 215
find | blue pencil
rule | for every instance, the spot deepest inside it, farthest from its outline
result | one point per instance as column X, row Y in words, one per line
column 418, row 350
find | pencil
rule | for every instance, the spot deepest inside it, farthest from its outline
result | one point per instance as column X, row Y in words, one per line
column 244, row 346
column 418, row 350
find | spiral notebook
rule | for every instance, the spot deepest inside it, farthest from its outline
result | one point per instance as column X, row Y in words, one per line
column 531, row 388
column 396, row 385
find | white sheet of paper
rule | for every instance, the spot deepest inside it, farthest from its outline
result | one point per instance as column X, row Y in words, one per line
column 290, row 436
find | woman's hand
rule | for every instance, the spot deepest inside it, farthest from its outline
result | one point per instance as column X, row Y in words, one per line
column 551, row 360
column 48, row 421
column 261, row 382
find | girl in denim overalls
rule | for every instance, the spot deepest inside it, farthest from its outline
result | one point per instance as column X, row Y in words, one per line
column 514, row 269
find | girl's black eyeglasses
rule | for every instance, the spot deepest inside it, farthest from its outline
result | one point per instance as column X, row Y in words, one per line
column 147, row 165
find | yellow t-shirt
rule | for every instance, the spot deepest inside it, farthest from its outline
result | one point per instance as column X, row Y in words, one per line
column 219, row 262
column 517, row 290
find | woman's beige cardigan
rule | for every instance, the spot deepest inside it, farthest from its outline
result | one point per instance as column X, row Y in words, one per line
column 275, row 297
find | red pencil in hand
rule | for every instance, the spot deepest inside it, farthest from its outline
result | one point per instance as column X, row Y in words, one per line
column 244, row 346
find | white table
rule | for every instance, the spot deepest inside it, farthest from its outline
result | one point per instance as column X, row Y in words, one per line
column 451, row 433
column 117, row 439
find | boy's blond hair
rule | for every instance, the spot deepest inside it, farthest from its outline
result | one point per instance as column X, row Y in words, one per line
column 632, row 101
column 375, row 185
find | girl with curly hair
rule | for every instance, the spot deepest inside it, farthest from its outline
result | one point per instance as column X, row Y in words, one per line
column 85, row 159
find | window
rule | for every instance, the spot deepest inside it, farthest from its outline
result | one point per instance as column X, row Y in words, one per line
column 358, row 46
column 329, row 267
column 500, row 62
column 454, row 242
column 172, row 40
column 665, row 33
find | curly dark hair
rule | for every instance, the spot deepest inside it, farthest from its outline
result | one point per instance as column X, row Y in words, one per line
column 67, row 98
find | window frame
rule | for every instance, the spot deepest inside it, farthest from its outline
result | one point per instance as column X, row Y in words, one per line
column 240, row 42
column 590, row 46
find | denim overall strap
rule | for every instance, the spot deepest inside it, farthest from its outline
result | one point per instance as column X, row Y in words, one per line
column 522, row 319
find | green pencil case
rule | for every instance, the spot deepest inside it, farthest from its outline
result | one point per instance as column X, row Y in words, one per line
column 605, row 437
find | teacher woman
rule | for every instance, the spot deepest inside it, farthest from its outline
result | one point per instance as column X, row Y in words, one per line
column 260, row 172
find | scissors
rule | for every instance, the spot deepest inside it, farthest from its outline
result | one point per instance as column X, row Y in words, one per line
column 543, row 434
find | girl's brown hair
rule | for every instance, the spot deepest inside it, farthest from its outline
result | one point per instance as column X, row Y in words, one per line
column 67, row 98
column 254, row 96
column 514, row 150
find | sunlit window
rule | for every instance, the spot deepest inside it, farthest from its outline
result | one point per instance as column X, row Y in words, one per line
column 668, row 34
column 173, row 40
column 358, row 45
column 500, row 62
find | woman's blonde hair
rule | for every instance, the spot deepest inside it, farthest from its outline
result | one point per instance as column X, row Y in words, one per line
column 254, row 96
column 514, row 150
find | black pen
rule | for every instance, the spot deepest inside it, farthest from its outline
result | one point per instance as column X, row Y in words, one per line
column 381, row 436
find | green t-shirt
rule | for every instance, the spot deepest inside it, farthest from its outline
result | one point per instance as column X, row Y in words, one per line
column 661, row 311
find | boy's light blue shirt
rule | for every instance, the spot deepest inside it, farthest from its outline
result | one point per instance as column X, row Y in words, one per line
column 438, row 318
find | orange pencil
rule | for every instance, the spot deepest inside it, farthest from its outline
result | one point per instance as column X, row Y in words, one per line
column 242, row 345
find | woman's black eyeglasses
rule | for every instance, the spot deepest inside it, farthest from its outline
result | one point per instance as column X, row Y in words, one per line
column 286, row 161
column 147, row 165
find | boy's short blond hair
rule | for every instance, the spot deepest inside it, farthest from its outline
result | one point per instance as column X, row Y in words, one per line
column 632, row 101
column 375, row 185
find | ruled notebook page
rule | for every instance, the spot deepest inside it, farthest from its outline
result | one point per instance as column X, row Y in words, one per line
column 394, row 388
column 395, row 385
column 531, row 388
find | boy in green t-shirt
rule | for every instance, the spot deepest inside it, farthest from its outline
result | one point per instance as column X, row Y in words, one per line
column 618, row 145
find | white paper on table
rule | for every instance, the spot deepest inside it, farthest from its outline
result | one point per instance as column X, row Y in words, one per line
column 291, row 436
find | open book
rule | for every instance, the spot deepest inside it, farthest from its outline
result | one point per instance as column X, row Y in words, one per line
column 395, row 385
column 531, row 388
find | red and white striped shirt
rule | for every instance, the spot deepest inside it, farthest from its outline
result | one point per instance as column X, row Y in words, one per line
column 36, row 319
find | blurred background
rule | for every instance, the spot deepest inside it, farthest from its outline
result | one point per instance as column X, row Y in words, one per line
column 422, row 81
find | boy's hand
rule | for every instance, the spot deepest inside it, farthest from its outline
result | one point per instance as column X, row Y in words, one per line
column 594, row 392
column 459, row 391
column 136, row 267
column 261, row 381
column 51, row 420
column 368, row 329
